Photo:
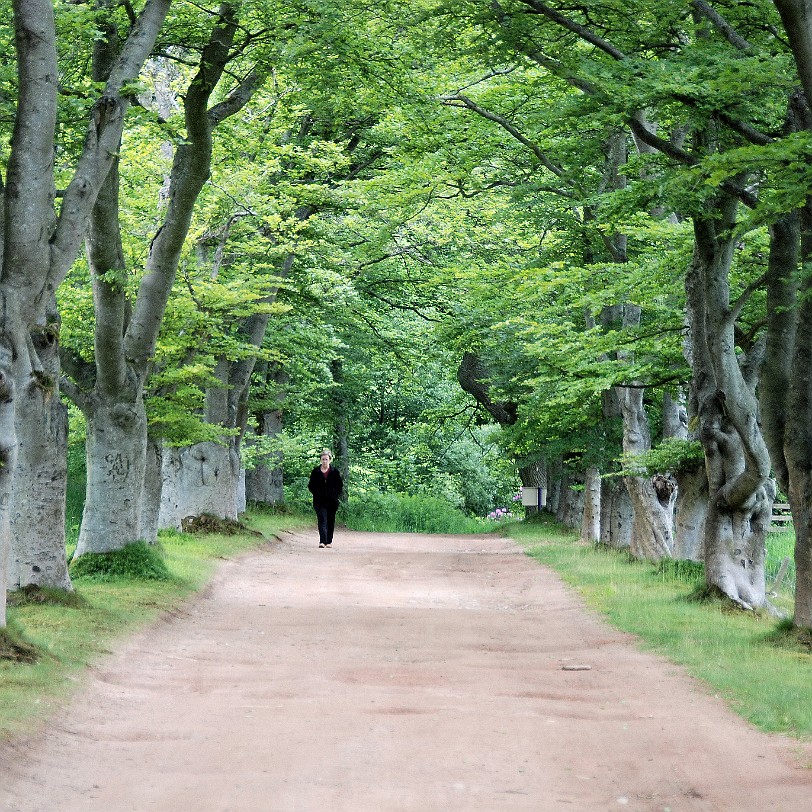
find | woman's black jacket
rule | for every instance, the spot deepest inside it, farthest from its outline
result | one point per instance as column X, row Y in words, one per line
column 325, row 490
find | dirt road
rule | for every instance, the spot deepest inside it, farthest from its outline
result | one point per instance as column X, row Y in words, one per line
column 396, row 673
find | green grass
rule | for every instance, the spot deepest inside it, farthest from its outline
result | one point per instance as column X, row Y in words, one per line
column 402, row 513
column 763, row 671
column 70, row 632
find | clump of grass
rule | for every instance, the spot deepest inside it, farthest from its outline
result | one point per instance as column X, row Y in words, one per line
column 33, row 594
column 680, row 571
column 139, row 561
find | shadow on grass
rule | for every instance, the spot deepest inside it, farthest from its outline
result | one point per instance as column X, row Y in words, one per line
column 14, row 648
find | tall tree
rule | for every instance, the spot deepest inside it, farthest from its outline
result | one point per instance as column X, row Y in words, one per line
column 125, row 341
column 40, row 244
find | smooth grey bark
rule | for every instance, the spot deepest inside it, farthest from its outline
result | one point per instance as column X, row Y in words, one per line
column 38, row 554
column 151, row 493
column 125, row 345
column 8, row 452
column 617, row 514
column 652, row 530
column 736, row 457
column 264, row 483
column 198, row 479
column 40, row 245
column 689, row 514
column 691, row 503
column 591, row 518
column 571, row 504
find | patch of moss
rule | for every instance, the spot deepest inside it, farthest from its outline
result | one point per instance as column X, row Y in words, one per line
column 138, row 561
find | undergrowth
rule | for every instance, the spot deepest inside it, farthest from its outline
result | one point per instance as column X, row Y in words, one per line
column 402, row 513
column 138, row 560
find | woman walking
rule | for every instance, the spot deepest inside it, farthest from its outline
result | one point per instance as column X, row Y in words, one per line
column 326, row 486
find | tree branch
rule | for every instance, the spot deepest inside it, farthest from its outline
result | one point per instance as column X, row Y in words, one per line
column 722, row 25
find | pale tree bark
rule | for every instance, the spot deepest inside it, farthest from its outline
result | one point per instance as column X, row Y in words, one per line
column 591, row 519
column 151, row 493
column 8, row 451
column 737, row 461
column 652, row 529
column 40, row 478
column 652, row 533
column 39, row 247
column 617, row 512
column 691, row 502
column 116, row 406
column 265, row 482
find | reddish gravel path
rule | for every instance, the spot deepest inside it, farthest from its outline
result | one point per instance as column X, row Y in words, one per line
column 396, row 672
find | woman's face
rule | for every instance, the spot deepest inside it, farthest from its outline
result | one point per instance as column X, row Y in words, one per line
column 325, row 460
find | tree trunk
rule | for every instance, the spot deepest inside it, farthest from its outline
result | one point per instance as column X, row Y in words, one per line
column 151, row 494
column 571, row 508
column 8, row 451
column 794, row 454
column 125, row 345
column 797, row 440
column 591, row 522
column 40, row 246
column 264, row 483
column 690, row 511
column 555, row 484
column 202, row 478
column 652, row 530
column 738, row 464
column 116, row 460
column 617, row 514
column 38, row 555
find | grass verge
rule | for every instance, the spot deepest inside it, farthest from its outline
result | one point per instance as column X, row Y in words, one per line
column 52, row 637
column 752, row 661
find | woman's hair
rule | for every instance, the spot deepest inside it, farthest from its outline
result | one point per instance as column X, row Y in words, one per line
column 327, row 452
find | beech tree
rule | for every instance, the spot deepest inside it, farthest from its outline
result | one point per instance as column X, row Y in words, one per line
column 125, row 340
column 39, row 245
